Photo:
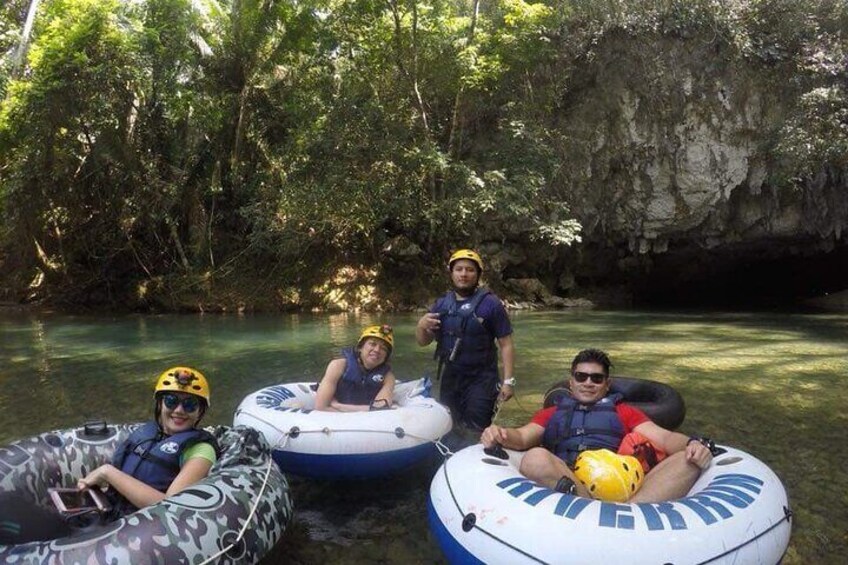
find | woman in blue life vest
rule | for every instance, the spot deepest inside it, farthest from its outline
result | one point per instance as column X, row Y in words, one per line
column 165, row 455
column 361, row 379
column 160, row 458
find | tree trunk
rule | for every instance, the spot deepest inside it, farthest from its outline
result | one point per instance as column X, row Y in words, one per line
column 240, row 125
column 175, row 236
column 457, row 118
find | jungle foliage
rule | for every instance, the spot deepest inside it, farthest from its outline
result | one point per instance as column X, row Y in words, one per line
column 168, row 145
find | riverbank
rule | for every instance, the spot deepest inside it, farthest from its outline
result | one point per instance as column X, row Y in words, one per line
column 348, row 290
column 361, row 300
column 361, row 293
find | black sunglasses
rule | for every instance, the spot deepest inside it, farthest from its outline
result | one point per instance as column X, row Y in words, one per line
column 597, row 378
column 171, row 401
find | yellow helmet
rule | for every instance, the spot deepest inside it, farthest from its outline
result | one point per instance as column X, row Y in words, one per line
column 383, row 333
column 609, row 476
column 183, row 379
column 466, row 254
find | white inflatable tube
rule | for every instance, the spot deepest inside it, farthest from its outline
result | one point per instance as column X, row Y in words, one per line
column 350, row 445
column 482, row 510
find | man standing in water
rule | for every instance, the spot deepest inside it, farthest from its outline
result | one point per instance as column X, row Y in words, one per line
column 465, row 323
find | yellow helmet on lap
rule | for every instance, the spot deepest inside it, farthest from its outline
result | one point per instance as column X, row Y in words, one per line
column 469, row 254
column 183, row 379
column 383, row 333
column 609, row 476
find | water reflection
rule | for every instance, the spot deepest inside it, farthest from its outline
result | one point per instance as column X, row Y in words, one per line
column 771, row 384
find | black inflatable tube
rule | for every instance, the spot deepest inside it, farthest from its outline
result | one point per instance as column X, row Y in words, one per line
column 659, row 401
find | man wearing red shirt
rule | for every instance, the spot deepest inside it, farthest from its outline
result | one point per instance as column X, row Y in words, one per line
column 591, row 418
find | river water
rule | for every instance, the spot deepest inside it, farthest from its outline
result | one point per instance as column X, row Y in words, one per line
column 773, row 384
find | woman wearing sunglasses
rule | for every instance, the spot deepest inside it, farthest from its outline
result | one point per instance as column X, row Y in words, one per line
column 362, row 378
column 158, row 459
column 165, row 455
column 592, row 419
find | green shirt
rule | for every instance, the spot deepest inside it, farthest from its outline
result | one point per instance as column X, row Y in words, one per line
column 204, row 450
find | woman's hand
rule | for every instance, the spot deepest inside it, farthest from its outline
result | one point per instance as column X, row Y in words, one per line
column 97, row 478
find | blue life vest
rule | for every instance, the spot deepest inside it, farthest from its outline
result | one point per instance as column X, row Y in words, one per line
column 153, row 457
column 576, row 427
column 358, row 385
column 459, row 322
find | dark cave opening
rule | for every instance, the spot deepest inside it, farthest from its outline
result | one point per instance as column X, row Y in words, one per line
column 758, row 278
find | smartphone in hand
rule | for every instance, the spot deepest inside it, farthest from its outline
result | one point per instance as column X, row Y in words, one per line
column 74, row 501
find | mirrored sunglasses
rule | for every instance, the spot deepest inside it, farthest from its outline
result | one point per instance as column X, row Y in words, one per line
column 171, row 401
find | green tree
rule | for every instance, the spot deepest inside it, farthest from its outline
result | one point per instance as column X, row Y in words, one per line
column 61, row 133
column 185, row 143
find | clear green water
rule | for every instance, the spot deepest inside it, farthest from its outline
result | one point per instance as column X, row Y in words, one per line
column 771, row 384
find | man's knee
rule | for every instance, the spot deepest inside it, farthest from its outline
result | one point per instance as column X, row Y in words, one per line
column 676, row 462
column 672, row 478
column 537, row 462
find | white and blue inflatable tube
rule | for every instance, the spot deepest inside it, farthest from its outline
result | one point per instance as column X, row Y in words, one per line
column 482, row 510
column 345, row 445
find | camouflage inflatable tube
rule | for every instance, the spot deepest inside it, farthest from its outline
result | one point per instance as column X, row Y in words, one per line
column 235, row 515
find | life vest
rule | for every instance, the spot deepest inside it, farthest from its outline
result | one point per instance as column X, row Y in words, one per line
column 459, row 322
column 576, row 427
column 153, row 457
column 358, row 385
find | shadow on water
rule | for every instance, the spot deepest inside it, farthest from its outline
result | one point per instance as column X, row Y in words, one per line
column 368, row 521
column 771, row 383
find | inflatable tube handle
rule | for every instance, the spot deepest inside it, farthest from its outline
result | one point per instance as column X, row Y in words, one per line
column 496, row 450
column 95, row 428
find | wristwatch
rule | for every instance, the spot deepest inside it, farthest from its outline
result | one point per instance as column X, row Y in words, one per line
column 509, row 382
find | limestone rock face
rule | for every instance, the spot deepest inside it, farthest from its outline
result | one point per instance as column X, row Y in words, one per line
column 667, row 149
